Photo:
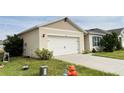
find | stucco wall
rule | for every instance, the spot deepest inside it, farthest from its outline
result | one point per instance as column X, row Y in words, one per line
column 122, row 37
column 62, row 25
column 86, row 43
column 59, row 32
column 31, row 39
column 122, row 41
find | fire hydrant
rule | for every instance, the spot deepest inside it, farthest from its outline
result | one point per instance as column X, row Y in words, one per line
column 72, row 71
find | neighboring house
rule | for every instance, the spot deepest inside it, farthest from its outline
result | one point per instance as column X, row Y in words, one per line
column 1, row 44
column 120, row 32
column 92, row 39
column 60, row 36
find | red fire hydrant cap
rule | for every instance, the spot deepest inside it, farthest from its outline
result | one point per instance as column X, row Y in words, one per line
column 72, row 68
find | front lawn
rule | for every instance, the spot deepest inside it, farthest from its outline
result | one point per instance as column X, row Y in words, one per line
column 115, row 54
column 56, row 68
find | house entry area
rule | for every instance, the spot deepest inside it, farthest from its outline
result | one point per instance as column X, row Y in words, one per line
column 61, row 45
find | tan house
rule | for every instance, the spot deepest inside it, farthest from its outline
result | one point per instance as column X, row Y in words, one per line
column 93, row 37
column 60, row 36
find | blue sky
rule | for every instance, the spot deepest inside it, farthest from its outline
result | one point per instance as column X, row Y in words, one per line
column 10, row 25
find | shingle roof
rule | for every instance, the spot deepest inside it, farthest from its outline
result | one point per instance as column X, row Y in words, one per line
column 97, row 30
column 116, row 30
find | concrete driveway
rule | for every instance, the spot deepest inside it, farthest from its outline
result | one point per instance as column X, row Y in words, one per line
column 99, row 63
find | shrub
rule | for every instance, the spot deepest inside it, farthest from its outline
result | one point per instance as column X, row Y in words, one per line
column 119, row 45
column 109, row 42
column 86, row 52
column 1, row 53
column 13, row 45
column 94, row 50
column 44, row 54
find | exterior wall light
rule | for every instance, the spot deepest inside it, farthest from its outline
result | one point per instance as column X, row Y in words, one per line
column 43, row 35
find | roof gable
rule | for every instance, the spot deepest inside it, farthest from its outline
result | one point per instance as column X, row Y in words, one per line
column 64, row 23
column 96, row 31
column 119, row 30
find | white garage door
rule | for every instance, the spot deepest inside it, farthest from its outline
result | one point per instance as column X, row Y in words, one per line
column 63, row 45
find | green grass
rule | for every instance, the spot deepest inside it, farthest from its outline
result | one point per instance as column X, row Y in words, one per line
column 115, row 54
column 56, row 68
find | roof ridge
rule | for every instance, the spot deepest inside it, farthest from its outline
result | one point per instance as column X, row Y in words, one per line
column 96, row 30
column 52, row 21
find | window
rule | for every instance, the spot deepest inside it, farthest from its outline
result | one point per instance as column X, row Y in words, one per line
column 96, row 40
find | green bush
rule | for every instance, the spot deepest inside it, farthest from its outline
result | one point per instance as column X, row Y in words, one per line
column 13, row 45
column 109, row 42
column 119, row 45
column 1, row 53
column 44, row 54
column 86, row 52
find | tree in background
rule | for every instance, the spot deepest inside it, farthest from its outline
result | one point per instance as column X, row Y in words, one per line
column 13, row 45
column 119, row 45
column 110, row 42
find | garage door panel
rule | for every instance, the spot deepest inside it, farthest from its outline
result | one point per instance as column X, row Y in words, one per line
column 63, row 45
